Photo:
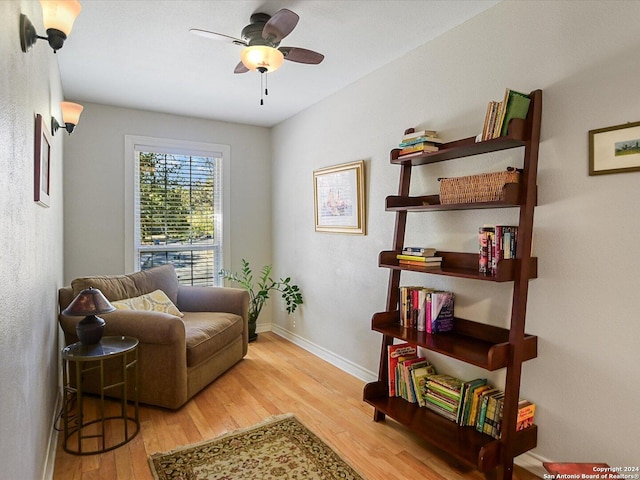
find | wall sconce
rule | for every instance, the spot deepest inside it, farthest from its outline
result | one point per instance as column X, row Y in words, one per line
column 70, row 117
column 58, row 17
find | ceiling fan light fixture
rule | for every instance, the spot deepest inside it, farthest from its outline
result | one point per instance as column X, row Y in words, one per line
column 262, row 58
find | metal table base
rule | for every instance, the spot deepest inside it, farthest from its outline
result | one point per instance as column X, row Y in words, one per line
column 110, row 431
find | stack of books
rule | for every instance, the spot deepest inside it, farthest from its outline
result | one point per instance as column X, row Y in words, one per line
column 443, row 395
column 426, row 309
column 496, row 121
column 481, row 407
column 419, row 257
column 417, row 143
column 474, row 403
column 494, row 244
column 398, row 353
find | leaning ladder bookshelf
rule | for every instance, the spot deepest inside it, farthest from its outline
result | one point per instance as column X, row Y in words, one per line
column 483, row 345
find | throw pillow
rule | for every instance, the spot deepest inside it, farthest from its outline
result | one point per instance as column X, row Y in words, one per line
column 156, row 301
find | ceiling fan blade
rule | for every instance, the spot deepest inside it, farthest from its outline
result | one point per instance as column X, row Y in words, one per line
column 240, row 68
column 301, row 55
column 280, row 25
column 217, row 36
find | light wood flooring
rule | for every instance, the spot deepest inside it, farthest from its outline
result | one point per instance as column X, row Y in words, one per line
column 276, row 377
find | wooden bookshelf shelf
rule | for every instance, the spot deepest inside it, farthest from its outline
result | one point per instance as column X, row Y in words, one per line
column 431, row 203
column 486, row 346
column 464, row 443
column 479, row 344
column 467, row 147
column 461, row 265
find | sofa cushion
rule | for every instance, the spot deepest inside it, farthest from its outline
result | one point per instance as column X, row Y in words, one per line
column 156, row 301
column 119, row 287
column 209, row 332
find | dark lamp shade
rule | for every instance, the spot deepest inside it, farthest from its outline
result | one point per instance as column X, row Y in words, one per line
column 88, row 304
column 90, row 301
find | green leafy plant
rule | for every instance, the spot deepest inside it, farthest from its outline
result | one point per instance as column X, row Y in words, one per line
column 260, row 289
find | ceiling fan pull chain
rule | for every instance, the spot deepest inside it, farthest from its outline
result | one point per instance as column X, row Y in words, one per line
column 266, row 90
column 261, row 90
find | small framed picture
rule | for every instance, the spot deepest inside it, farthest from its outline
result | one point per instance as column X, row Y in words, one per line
column 42, row 163
column 339, row 198
column 614, row 149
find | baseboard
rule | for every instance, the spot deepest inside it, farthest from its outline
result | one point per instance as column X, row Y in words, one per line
column 327, row 355
column 532, row 463
column 50, row 462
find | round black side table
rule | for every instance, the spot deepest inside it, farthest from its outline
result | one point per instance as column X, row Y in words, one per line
column 79, row 426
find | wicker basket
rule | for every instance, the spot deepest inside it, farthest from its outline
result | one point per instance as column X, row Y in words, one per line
column 485, row 187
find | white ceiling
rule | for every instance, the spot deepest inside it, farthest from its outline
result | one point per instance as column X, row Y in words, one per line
column 140, row 54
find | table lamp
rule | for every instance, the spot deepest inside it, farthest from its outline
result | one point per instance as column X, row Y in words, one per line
column 90, row 302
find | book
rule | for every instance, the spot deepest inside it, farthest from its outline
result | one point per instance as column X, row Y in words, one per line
column 493, row 110
column 485, row 235
column 406, row 368
column 420, row 375
column 525, row 418
column 433, row 406
column 411, row 133
column 419, row 148
column 482, row 407
column 414, row 154
column 400, row 385
column 526, row 414
column 465, row 394
column 440, row 315
column 473, row 409
column 418, row 258
column 395, row 352
column 491, row 417
column 443, row 395
column 496, row 433
column 421, row 264
column 515, row 105
column 419, row 251
column 419, row 139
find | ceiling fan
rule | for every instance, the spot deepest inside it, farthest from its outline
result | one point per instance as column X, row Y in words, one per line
column 267, row 31
column 261, row 39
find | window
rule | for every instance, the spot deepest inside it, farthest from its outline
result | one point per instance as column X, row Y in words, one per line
column 177, row 208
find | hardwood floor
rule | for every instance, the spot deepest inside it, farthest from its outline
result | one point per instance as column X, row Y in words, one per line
column 276, row 377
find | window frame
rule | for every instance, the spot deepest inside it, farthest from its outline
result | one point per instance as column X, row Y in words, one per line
column 135, row 143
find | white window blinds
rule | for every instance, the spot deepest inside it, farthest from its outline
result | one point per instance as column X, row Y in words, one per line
column 178, row 213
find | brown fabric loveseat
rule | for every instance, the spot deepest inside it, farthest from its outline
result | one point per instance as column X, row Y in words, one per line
column 177, row 356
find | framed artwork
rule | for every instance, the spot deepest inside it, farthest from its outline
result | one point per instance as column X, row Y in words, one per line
column 42, row 163
column 614, row 149
column 339, row 198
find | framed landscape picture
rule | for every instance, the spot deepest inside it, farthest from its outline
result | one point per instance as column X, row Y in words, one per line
column 42, row 163
column 614, row 149
column 339, row 199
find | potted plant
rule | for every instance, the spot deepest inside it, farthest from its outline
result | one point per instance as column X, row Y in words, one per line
column 259, row 291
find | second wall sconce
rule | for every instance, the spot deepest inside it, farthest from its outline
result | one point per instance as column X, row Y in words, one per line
column 58, row 17
column 70, row 117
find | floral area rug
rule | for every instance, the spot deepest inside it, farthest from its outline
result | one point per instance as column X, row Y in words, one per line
column 281, row 448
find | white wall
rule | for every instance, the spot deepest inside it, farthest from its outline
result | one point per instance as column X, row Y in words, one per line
column 94, row 185
column 31, row 253
column 584, row 305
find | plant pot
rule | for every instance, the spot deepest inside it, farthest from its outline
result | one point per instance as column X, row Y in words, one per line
column 252, row 331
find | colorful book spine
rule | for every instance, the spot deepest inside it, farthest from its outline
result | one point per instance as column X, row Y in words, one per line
column 441, row 312
column 395, row 352
column 484, row 246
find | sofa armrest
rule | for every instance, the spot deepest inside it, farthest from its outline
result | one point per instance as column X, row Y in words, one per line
column 214, row 299
column 148, row 327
